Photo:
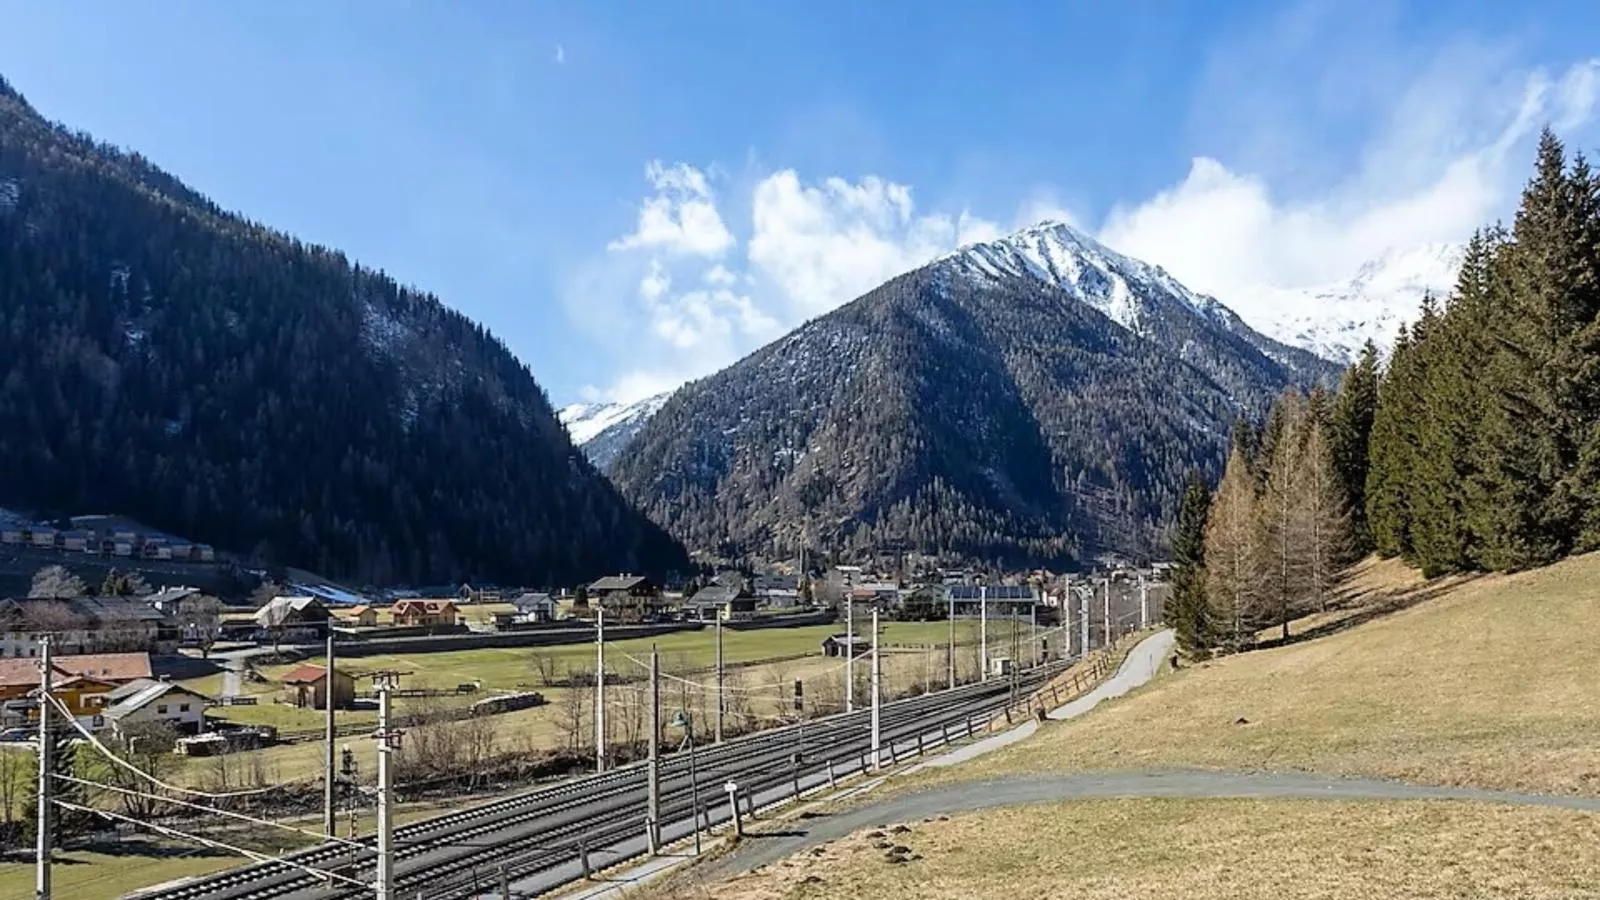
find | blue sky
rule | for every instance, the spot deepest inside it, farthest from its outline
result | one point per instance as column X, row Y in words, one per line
column 634, row 194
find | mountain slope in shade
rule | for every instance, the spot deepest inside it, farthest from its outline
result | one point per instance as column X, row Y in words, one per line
column 1336, row 320
column 176, row 363
column 1031, row 399
column 604, row 430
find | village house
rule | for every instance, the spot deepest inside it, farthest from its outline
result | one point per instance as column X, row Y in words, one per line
column 535, row 606
column 837, row 645
column 86, row 697
column 80, row 625
column 880, row 595
column 628, row 598
column 777, row 591
column 74, row 540
column 307, row 687
column 293, row 618
column 727, row 601
column 425, row 613
column 151, row 701
column 362, row 616
column 19, row 676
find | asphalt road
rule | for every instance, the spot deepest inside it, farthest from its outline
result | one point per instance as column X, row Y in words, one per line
column 797, row 836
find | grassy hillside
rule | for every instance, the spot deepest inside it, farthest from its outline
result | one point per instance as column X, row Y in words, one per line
column 1487, row 681
column 1201, row 850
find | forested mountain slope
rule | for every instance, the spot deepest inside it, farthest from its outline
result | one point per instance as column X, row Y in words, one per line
column 165, row 359
column 1024, row 401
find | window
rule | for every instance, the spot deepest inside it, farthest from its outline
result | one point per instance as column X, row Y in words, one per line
column 183, row 707
column 161, row 710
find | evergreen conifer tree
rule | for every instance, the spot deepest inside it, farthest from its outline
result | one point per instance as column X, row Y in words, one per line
column 1187, row 610
column 1349, row 438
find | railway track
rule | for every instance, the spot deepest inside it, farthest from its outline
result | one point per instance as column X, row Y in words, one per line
column 548, row 837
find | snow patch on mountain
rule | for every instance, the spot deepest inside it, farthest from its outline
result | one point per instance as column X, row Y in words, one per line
column 585, row 421
column 604, row 430
column 1334, row 321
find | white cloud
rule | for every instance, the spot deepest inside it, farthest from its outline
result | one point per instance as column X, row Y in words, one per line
column 824, row 244
column 1448, row 155
column 561, row 55
column 810, row 247
column 720, row 275
column 1440, row 169
column 681, row 218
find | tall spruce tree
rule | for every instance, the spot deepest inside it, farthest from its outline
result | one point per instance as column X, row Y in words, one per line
column 1187, row 611
column 1392, row 457
column 1547, row 275
column 1349, row 439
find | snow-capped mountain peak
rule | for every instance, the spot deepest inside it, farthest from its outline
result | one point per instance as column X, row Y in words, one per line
column 1335, row 320
column 601, row 430
column 1057, row 253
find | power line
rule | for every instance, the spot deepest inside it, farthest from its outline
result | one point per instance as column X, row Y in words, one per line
column 209, row 842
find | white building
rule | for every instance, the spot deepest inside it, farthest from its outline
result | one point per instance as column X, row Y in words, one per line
column 147, row 700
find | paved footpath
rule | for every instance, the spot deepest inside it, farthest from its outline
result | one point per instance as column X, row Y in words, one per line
column 758, row 850
column 1141, row 665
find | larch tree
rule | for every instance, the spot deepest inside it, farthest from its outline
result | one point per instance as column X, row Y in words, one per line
column 1326, row 521
column 1282, row 519
column 1232, row 553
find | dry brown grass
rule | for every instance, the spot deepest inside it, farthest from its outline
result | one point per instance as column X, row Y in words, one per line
column 1201, row 850
column 1489, row 681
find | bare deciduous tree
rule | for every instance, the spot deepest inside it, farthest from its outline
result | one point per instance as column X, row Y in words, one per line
column 56, row 582
column 200, row 616
column 544, row 666
column 575, row 709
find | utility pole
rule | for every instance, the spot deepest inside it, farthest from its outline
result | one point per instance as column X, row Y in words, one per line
column 1108, row 611
column 877, row 681
column 1066, row 619
column 850, row 651
column 1033, row 631
column 983, row 632
column 1083, row 617
column 1144, row 603
column 388, row 744
column 44, row 823
column 329, row 786
column 600, row 689
column 721, row 703
column 652, row 831
column 950, row 654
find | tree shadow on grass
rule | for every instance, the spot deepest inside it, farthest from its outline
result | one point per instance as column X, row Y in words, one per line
column 1354, row 606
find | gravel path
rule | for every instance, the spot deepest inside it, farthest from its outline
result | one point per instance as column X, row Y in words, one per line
column 759, row 850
